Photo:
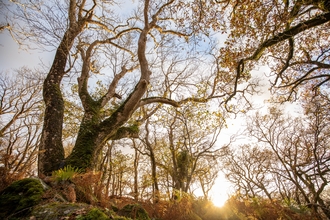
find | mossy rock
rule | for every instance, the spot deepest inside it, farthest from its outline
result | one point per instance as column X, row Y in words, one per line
column 56, row 210
column 93, row 214
column 134, row 211
column 18, row 199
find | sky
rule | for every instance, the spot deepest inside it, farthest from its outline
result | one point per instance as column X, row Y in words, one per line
column 13, row 57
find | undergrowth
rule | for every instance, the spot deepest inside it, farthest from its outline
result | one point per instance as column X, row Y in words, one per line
column 66, row 173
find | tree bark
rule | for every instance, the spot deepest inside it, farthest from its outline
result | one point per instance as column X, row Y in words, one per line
column 92, row 137
column 51, row 152
column 153, row 166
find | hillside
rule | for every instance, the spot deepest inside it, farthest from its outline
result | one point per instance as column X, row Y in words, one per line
column 32, row 198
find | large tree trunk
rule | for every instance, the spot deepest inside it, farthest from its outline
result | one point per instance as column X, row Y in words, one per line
column 92, row 137
column 84, row 149
column 51, row 152
column 93, row 132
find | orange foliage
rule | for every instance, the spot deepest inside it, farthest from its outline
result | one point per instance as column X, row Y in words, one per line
column 178, row 209
column 6, row 177
column 89, row 188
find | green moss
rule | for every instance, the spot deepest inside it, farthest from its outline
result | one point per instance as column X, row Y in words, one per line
column 83, row 151
column 94, row 214
column 134, row 211
column 123, row 132
column 18, row 198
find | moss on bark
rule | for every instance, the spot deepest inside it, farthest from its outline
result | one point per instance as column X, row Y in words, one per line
column 84, row 149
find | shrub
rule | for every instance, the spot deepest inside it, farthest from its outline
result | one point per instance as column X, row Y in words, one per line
column 181, row 209
column 89, row 188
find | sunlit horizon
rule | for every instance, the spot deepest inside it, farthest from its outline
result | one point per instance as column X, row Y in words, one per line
column 220, row 192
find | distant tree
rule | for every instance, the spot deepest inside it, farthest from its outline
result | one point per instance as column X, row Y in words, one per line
column 20, row 123
column 206, row 176
column 122, row 168
column 186, row 140
column 150, row 146
column 300, row 146
column 248, row 168
column 137, row 156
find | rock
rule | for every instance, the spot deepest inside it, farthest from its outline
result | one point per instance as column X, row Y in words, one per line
column 55, row 211
column 134, row 211
column 18, row 198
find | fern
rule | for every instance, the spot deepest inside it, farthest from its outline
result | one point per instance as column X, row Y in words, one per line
column 67, row 173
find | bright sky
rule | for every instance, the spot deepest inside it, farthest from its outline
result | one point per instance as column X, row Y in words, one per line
column 12, row 57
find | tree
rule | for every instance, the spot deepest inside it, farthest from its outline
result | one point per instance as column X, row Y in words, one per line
column 206, row 175
column 288, row 36
column 248, row 168
column 20, row 127
column 95, row 131
column 121, row 173
column 153, row 160
column 187, row 140
column 300, row 146
column 70, row 27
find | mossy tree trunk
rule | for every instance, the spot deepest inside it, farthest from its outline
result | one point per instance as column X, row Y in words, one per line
column 51, row 152
column 92, row 137
column 95, row 131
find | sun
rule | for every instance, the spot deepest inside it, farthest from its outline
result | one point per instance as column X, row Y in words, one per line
column 220, row 191
column 219, row 200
